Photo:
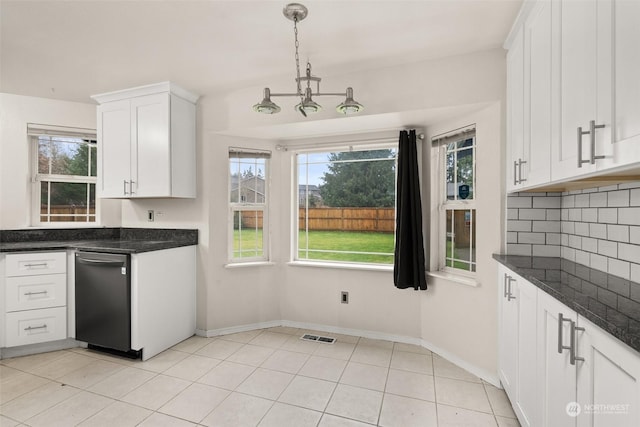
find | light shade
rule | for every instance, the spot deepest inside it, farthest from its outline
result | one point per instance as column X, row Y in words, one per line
column 266, row 106
column 308, row 105
column 349, row 106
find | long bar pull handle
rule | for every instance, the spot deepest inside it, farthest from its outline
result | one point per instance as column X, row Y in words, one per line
column 38, row 264
column 31, row 328
column 131, row 187
column 572, row 350
column 506, row 278
column 592, row 130
column 580, row 133
column 28, row 294
column 509, row 294
column 124, row 185
column 515, row 172
column 561, row 320
column 520, row 163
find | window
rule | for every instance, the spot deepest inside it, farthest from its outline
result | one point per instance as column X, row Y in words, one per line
column 458, row 206
column 248, row 201
column 64, row 183
column 346, row 205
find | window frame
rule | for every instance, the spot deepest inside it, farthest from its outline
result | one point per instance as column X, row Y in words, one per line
column 34, row 133
column 334, row 147
column 242, row 206
column 444, row 204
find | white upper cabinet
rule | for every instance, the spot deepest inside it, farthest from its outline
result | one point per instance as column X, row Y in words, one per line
column 146, row 142
column 579, row 92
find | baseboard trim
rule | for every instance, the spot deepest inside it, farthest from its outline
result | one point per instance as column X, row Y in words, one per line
column 489, row 377
column 26, row 350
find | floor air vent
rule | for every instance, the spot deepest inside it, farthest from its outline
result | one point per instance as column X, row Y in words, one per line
column 317, row 338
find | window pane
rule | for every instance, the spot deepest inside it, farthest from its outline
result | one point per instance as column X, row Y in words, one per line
column 247, row 180
column 94, row 161
column 67, row 202
column 451, row 175
column 248, row 234
column 65, row 156
column 465, row 174
column 346, row 204
column 460, row 239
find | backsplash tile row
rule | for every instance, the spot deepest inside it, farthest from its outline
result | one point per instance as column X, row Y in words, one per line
column 597, row 227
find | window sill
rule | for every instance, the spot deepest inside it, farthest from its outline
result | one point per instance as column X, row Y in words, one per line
column 249, row 264
column 457, row 278
column 343, row 266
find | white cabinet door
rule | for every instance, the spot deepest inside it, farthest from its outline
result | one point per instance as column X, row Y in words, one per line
column 556, row 375
column 526, row 403
column 515, row 112
column 620, row 83
column 151, row 154
column 114, row 146
column 608, row 380
column 508, row 332
column 575, row 58
column 537, row 96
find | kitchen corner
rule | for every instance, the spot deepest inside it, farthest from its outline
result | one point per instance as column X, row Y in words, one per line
column 39, row 280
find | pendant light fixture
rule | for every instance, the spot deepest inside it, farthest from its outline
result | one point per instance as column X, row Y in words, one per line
column 296, row 13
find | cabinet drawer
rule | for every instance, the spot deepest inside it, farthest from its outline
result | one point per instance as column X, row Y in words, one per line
column 29, row 264
column 32, row 292
column 36, row 326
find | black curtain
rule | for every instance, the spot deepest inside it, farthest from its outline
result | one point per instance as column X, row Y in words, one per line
column 409, row 262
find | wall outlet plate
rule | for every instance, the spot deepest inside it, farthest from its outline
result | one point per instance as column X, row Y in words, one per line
column 150, row 215
column 344, row 297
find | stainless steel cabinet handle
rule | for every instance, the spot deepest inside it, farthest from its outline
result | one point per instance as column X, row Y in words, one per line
column 561, row 346
column 509, row 294
column 592, row 131
column 39, row 264
column 572, row 346
column 515, row 172
column 506, row 278
column 520, row 163
column 124, row 186
column 131, row 187
column 35, row 293
column 580, row 133
column 31, row 328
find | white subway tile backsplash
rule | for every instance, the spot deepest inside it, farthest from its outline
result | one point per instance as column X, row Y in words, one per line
column 597, row 227
column 629, row 252
column 629, row 216
column 534, row 214
column 618, row 198
column 598, row 231
column 598, row 200
column 608, row 248
column 619, row 268
column 618, row 233
column 582, row 201
column 608, row 215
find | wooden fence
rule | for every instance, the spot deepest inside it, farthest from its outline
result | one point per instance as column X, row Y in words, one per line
column 340, row 219
column 68, row 211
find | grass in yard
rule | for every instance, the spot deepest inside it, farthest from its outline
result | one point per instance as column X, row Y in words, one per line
column 350, row 246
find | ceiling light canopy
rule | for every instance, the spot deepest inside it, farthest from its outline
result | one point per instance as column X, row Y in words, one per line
column 297, row 12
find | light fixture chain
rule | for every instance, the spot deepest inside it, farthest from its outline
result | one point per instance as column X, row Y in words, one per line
column 297, row 44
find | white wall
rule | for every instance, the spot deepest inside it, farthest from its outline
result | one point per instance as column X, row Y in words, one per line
column 15, row 174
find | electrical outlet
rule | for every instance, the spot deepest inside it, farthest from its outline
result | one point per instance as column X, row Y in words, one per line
column 150, row 215
column 344, row 297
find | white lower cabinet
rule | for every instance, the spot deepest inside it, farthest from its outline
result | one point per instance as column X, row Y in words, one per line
column 33, row 308
column 558, row 368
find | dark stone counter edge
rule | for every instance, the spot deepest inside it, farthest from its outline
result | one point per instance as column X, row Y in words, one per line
column 98, row 246
column 632, row 340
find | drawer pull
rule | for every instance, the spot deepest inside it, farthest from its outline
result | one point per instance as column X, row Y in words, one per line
column 31, row 328
column 35, row 293
column 40, row 264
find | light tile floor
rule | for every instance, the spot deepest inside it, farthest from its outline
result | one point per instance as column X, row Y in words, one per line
column 258, row 378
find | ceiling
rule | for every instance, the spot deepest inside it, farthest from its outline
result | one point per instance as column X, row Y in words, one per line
column 73, row 49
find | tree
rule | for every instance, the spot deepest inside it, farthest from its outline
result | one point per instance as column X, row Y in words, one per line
column 359, row 183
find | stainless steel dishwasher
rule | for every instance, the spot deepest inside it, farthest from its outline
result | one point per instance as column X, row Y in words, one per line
column 103, row 301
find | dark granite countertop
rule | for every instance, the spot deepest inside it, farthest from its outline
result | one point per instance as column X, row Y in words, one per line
column 608, row 301
column 110, row 240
